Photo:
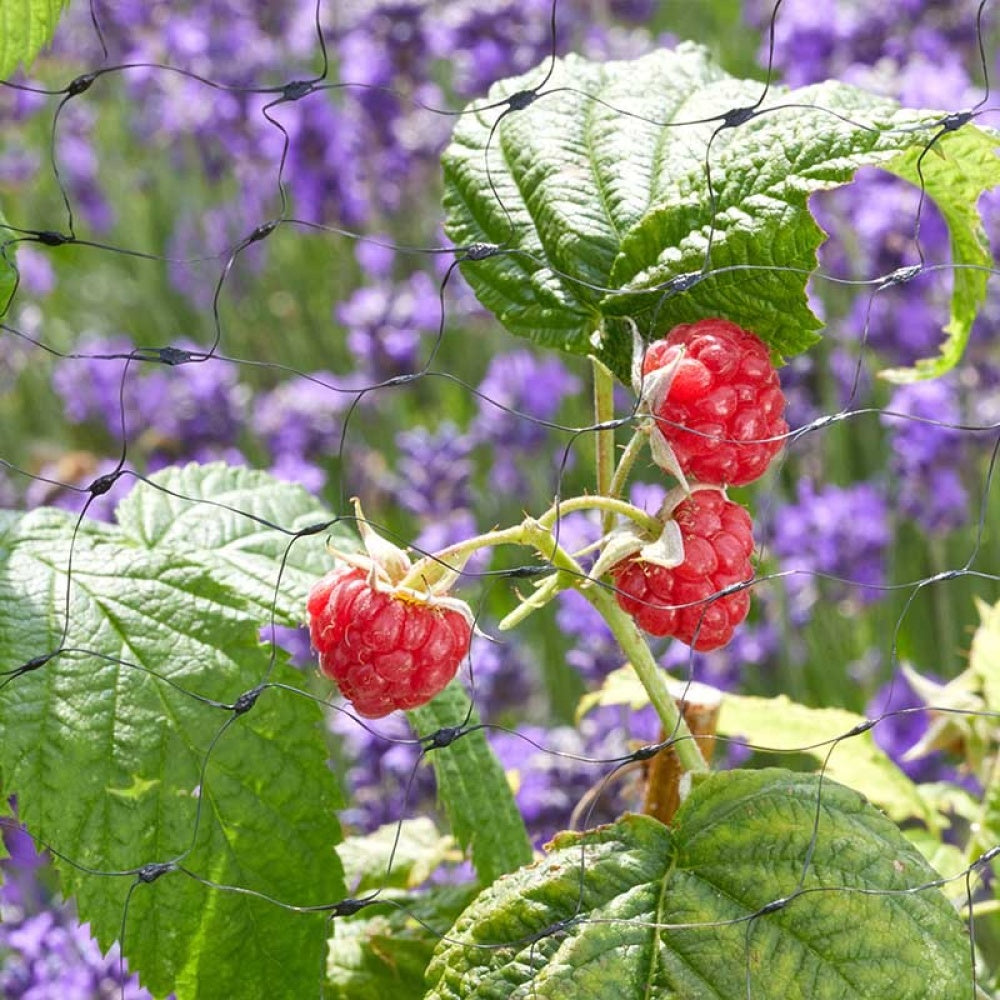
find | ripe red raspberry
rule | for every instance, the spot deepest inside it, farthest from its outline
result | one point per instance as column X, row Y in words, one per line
column 385, row 650
column 718, row 541
column 726, row 390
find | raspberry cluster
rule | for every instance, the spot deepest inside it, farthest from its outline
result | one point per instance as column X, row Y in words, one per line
column 717, row 420
column 385, row 650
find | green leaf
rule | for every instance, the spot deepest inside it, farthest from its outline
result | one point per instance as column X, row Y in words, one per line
column 380, row 956
column 25, row 26
column 231, row 533
column 395, row 856
column 473, row 788
column 958, row 169
column 783, row 725
column 597, row 210
column 117, row 764
column 639, row 910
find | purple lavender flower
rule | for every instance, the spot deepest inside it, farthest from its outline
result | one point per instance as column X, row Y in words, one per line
column 63, row 483
column 502, row 679
column 549, row 779
column 375, row 257
column 325, row 167
column 38, row 277
column 837, row 531
column 182, row 410
column 79, row 167
column 386, row 324
column 384, row 764
column 896, row 734
column 51, row 955
column 518, row 391
column 488, row 43
column 302, row 417
column 752, row 646
column 93, row 386
column 294, row 641
column 433, row 470
column 927, row 458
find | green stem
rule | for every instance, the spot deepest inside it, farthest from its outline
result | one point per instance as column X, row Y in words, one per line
column 609, row 505
column 426, row 571
column 625, row 463
column 604, row 413
column 634, row 646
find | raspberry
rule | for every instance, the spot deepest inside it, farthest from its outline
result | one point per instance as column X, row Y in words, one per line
column 726, row 390
column 385, row 650
column 718, row 541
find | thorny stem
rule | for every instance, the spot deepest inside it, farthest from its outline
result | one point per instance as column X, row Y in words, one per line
column 653, row 680
column 604, row 413
column 610, row 505
column 536, row 535
column 625, row 463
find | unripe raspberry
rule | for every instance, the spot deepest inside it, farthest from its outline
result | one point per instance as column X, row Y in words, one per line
column 718, row 540
column 386, row 650
column 723, row 413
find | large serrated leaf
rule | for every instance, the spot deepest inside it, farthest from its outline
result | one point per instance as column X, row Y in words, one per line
column 232, row 531
column 636, row 910
column 597, row 195
column 473, row 788
column 117, row 768
column 25, row 26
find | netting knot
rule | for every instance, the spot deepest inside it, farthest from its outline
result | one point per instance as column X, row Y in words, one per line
column 737, row 117
column 955, row 120
column 297, row 89
column 682, row 282
column 480, row 251
column 521, row 100
column 262, row 231
column 861, row 727
column 247, row 700
column 773, row 906
column 647, row 752
column 525, row 572
column 36, row 662
column 900, row 276
column 50, row 238
column 102, row 484
column 173, row 356
column 151, row 872
column 443, row 737
column 81, row 84
column 348, row 907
